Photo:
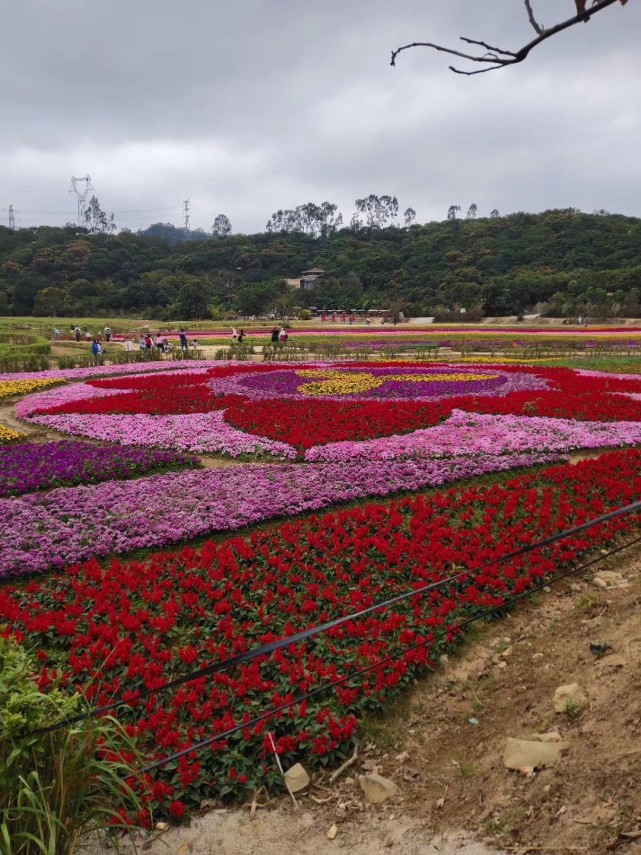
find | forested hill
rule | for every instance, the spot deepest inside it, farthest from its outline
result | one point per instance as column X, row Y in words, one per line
column 570, row 261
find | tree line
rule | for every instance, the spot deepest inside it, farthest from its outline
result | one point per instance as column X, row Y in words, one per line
column 558, row 262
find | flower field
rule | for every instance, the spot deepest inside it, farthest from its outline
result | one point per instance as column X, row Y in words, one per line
column 375, row 479
column 7, row 435
column 9, row 388
column 29, row 467
column 134, row 625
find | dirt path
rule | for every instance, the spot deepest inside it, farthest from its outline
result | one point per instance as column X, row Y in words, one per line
column 279, row 831
column 8, row 419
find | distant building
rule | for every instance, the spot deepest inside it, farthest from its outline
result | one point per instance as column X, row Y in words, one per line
column 307, row 279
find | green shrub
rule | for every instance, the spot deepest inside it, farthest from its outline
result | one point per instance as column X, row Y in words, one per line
column 34, row 362
column 66, row 362
column 59, row 786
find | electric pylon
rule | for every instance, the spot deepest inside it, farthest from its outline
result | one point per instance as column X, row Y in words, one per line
column 82, row 195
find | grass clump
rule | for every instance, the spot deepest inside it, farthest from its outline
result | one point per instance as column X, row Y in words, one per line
column 57, row 787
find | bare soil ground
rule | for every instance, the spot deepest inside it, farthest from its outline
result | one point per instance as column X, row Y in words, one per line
column 279, row 831
column 455, row 725
column 8, row 419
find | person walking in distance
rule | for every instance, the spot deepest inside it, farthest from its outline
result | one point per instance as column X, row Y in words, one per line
column 96, row 350
column 183, row 341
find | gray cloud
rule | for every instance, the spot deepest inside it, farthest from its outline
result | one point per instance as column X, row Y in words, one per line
column 250, row 106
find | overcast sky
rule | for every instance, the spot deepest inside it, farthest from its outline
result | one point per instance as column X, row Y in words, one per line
column 247, row 106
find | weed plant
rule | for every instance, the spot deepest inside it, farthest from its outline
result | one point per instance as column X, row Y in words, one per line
column 58, row 787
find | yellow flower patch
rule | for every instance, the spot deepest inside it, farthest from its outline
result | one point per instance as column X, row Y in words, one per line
column 350, row 383
column 8, row 435
column 438, row 378
column 341, row 383
column 9, row 388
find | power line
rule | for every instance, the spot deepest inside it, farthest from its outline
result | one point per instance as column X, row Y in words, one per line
column 147, row 210
column 30, row 178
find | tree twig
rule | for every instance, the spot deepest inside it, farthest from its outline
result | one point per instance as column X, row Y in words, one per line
column 536, row 26
column 335, row 775
column 499, row 57
column 282, row 772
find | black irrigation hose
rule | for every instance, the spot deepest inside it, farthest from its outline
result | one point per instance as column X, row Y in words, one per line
column 321, row 689
column 274, row 646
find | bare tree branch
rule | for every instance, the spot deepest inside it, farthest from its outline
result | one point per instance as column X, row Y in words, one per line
column 494, row 57
column 536, row 26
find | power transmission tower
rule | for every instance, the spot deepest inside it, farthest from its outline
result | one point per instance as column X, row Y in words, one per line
column 12, row 218
column 186, row 214
column 81, row 194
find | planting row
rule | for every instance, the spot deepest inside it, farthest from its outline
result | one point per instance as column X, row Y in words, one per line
column 135, row 625
column 28, row 467
column 70, row 524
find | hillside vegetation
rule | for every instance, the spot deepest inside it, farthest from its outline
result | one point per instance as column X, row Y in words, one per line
column 561, row 262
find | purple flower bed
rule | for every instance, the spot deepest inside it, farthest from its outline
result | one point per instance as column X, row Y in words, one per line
column 408, row 390
column 201, row 433
column 470, row 434
column 36, row 466
column 71, row 524
column 285, row 384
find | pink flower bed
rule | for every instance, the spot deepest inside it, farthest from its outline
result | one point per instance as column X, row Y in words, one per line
column 110, row 370
column 70, row 524
column 201, row 433
column 470, row 433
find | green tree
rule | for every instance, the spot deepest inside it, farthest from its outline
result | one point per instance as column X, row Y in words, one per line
column 49, row 302
column 96, row 220
column 192, row 303
column 221, row 227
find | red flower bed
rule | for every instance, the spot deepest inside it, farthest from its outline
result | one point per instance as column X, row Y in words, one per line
column 138, row 624
column 594, row 406
column 169, row 380
column 307, row 423
column 158, row 394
